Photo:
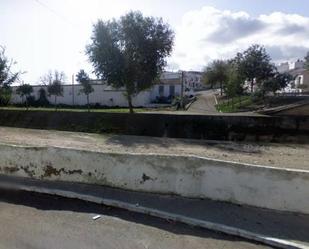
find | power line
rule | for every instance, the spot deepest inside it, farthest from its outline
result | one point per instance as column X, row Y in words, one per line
column 54, row 12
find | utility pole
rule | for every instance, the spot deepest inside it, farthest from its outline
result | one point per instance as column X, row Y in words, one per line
column 181, row 94
column 73, row 93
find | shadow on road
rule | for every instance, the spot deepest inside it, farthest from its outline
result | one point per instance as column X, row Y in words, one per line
column 47, row 202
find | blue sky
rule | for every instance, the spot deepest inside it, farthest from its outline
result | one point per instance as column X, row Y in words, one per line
column 44, row 35
column 257, row 7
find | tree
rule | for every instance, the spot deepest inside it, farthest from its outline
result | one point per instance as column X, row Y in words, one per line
column 42, row 100
column 235, row 81
column 54, row 81
column 7, row 77
column 83, row 78
column 130, row 52
column 217, row 73
column 254, row 64
column 24, row 90
column 277, row 82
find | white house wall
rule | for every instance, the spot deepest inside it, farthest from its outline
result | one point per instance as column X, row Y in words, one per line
column 166, row 93
column 101, row 95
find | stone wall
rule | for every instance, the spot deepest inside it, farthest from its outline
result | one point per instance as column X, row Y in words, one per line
column 215, row 127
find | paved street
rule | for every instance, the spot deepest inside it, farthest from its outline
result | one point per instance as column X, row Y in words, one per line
column 29, row 220
column 205, row 103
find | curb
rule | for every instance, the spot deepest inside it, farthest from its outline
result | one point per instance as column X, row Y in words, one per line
column 191, row 102
column 166, row 215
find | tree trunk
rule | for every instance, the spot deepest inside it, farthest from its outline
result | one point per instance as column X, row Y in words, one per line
column 130, row 103
column 22, row 100
column 56, row 102
column 88, row 103
column 252, row 83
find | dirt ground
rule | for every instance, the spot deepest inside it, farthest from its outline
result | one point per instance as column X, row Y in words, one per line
column 294, row 156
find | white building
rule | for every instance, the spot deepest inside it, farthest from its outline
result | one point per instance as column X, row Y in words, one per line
column 168, row 87
column 283, row 67
column 299, row 64
column 286, row 66
column 300, row 83
column 193, row 80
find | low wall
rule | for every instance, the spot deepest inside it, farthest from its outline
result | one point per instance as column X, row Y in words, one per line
column 188, row 176
column 216, row 127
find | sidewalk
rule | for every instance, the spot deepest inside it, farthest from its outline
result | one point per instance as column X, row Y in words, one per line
column 282, row 229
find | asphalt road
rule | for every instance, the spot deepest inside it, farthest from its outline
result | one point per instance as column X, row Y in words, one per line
column 29, row 220
column 205, row 103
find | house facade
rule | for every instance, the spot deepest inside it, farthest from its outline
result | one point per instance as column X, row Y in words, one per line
column 301, row 80
column 300, row 83
column 163, row 92
column 169, row 86
column 193, row 80
column 102, row 95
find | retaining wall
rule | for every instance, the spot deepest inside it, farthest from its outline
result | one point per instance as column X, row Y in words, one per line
column 217, row 127
column 189, row 176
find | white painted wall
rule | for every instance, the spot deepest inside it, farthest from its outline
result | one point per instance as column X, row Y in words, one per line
column 102, row 94
column 155, row 91
column 189, row 176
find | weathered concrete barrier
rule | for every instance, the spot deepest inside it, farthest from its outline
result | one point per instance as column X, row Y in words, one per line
column 189, row 176
column 211, row 127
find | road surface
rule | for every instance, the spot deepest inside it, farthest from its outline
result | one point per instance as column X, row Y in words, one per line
column 29, row 220
column 205, row 103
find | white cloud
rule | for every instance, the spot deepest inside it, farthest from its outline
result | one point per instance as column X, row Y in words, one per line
column 210, row 33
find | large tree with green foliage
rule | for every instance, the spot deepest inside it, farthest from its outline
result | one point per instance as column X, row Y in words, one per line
column 235, row 81
column 7, row 77
column 217, row 73
column 255, row 65
column 278, row 82
column 54, row 81
column 83, row 78
column 24, row 90
column 130, row 52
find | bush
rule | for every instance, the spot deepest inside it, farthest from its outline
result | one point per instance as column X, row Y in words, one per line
column 5, row 95
column 42, row 100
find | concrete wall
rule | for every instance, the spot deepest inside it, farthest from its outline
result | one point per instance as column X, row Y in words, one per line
column 188, row 176
column 102, row 94
column 212, row 127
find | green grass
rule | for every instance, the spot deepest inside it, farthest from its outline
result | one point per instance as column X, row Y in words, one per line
column 235, row 104
column 52, row 109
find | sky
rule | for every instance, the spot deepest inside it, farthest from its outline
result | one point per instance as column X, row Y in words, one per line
column 43, row 35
